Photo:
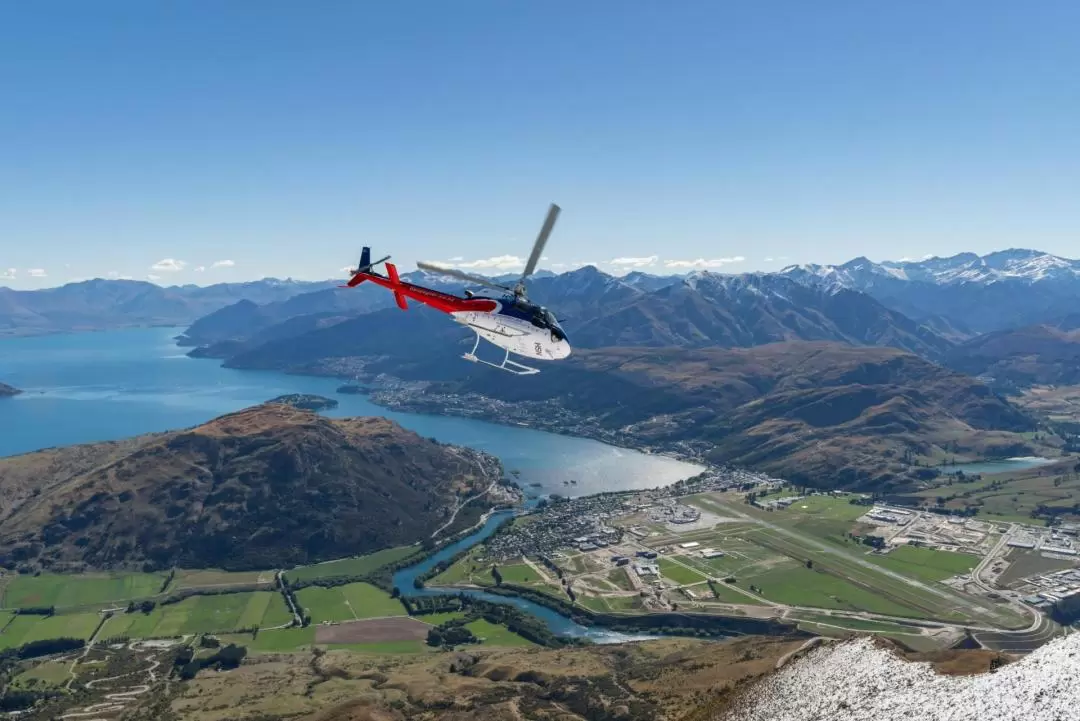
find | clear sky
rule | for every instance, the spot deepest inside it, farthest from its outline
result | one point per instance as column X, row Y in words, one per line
column 275, row 138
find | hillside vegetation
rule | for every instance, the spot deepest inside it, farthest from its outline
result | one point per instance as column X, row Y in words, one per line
column 267, row 487
column 824, row 414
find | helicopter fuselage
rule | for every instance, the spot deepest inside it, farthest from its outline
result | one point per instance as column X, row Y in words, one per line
column 513, row 324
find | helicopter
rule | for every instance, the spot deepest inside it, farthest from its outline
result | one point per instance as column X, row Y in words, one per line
column 510, row 321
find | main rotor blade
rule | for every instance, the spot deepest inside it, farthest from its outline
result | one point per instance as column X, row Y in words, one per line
column 541, row 241
column 462, row 275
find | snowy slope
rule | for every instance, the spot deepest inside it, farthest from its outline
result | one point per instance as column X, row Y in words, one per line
column 855, row 681
column 1015, row 264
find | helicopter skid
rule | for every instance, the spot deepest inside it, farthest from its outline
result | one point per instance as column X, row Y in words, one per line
column 513, row 336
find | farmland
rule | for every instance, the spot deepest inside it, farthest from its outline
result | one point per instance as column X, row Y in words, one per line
column 202, row 614
column 80, row 591
column 209, row 578
column 26, row 628
column 348, row 603
column 350, row 566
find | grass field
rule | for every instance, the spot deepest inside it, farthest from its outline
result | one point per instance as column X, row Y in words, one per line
column 926, row 564
column 856, row 582
column 208, row 577
column 495, row 635
column 49, row 673
column 202, row 614
column 1010, row 496
column 276, row 641
column 24, row 629
column 618, row 578
column 679, row 574
column 519, row 573
column 348, row 603
column 351, row 566
column 726, row 594
column 83, row 590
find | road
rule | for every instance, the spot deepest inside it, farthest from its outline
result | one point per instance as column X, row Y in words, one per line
column 460, row 505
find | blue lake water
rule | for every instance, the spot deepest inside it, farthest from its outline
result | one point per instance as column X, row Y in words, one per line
column 102, row 386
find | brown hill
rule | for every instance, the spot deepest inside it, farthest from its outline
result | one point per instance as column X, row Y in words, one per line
column 825, row 414
column 269, row 486
column 662, row 680
column 1034, row 355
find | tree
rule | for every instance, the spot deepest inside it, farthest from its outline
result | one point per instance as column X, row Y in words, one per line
column 496, row 575
column 809, row 563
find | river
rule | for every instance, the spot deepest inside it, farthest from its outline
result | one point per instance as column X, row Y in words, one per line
column 559, row 624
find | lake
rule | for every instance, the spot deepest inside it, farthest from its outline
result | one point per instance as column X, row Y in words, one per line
column 89, row 387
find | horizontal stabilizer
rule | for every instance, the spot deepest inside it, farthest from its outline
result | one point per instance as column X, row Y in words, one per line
column 391, row 271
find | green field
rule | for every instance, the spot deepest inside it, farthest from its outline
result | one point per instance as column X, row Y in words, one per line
column 851, row 580
column 276, row 641
column 726, row 594
column 519, row 573
column 348, row 603
column 855, row 624
column 24, row 629
column 88, row 589
column 202, row 614
column 925, row 563
column 496, row 635
column 679, row 574
column 49, row 673
column 209, row 577
column 1009, row 496
column 351, row 566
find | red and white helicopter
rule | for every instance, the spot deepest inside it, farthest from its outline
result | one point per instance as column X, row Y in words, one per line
column 510, row 321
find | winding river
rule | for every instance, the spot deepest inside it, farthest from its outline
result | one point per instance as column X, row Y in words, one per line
column 556, row 622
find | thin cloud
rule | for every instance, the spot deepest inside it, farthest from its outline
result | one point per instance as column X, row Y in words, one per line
column 498, row 262
column 200, row 269
column 703, row 263
column 456, row 259
column 768, row 260
column 168, row 265
column 8, row 274
column 36, row 272
column 116, row 275
column 222, row 264
column 634, row 262
column 153, row 277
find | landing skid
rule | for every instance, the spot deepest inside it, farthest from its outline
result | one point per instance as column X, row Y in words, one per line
column 507, row 365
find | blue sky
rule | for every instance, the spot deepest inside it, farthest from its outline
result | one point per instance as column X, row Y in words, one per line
column 157, row 138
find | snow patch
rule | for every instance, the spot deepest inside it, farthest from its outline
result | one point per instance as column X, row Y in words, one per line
column 856, row 681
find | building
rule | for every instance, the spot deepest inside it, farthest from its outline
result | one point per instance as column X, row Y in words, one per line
column 689, row 544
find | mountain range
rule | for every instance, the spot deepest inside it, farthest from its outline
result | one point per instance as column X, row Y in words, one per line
column 1006, row 289
column 259, row 488
column 824, row 414
column 103, row 304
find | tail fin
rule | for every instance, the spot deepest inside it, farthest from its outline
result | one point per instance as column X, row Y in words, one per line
column 365, row 259
column 391, row 271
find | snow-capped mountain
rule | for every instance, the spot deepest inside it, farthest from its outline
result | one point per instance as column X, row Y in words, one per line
column 1016, row 264
column 1007, row 289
